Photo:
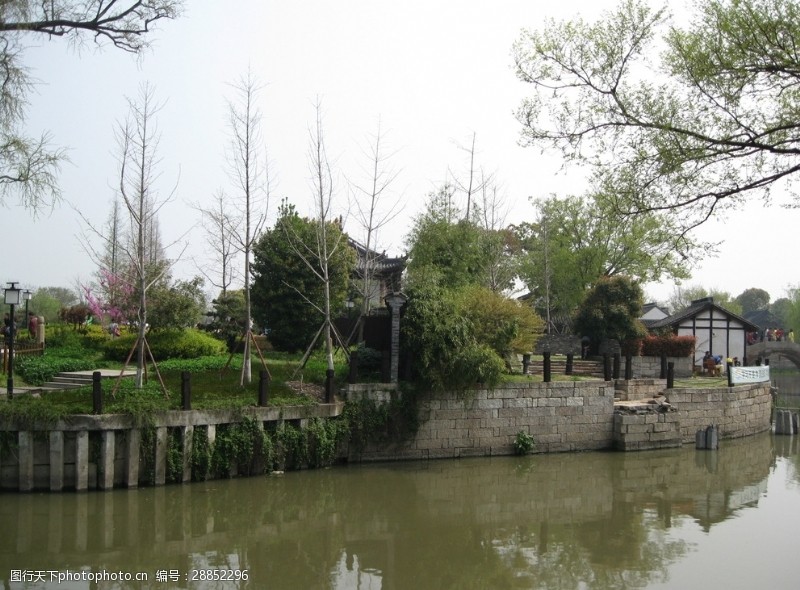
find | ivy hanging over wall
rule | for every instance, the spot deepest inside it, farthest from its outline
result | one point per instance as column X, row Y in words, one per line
column 373, row 423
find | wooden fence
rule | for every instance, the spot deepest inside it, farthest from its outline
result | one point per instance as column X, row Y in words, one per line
column 21, row 349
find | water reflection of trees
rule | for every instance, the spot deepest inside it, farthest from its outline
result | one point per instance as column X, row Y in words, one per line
column 557, row 521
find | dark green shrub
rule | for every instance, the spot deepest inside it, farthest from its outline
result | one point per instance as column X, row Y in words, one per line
column 452, row 346
column 167, row 344
column 323, row 441
column 204, row 363
column 62, row 336
column 368, row 422
column 476, row 364
column 369, row 360
column 674, row 346
column 94, row 337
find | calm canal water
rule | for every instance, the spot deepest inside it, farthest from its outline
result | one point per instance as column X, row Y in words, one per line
column 666, row 519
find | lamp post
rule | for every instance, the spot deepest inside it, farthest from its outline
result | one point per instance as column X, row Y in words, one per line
column 12, row 293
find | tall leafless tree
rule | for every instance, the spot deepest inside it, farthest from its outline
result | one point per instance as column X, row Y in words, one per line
column 375, row 206
column 138, row 140
column 219, row 224
column 248, row 166
column 318, row 255
column 493, row 212
column 471, row 185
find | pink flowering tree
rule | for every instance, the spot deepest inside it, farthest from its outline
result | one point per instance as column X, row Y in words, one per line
column 111, row 301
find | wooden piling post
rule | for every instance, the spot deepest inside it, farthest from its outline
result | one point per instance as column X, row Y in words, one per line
column 186, row 390
column 97, row 394
column 547, row 367
column 263, row 388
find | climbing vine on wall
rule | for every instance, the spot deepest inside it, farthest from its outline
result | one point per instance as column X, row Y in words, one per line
column 174, row 456
column 242, row 448
column 147, row 456
column 370, row 422
column 201, row 454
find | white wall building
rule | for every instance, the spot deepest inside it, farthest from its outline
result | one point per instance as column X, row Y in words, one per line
column 715, row 328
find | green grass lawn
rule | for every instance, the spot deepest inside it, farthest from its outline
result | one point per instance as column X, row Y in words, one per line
column 215, row 384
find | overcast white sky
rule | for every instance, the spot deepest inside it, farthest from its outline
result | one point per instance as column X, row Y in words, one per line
column 434, row 72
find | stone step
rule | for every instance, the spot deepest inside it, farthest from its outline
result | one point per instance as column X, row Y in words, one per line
column 559, row 366
column 76, row 379
column 67, row 378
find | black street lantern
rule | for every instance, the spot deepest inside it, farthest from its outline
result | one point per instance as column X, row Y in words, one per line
column 12, row 298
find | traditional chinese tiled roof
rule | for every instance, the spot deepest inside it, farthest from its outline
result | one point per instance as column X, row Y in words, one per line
column 695, row 309
column 382, row 264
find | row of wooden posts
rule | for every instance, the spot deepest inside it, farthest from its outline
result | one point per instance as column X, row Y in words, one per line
column 611, row 367
column 264, row 380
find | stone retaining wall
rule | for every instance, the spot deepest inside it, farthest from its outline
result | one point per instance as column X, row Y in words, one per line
column 561, row 416
column 573, row 416
column 650, row 366
column 737, row 411
column 639, row 388
column 104, row 451
column 646, row 429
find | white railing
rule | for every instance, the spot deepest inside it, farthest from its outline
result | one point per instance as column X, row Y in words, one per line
column 741, row 375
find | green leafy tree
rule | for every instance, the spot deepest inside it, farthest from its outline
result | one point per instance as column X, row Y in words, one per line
column 461, row 250
column 48, row 302
column 447, row 354
column 577, row 240
column 753, row 299
column 506, row 325
column 611, row 310
column 793, row 311
column 288, row 296
column 29, row 166
column 180, row 305
column 226, row 318
column 692, row 117
column 781, row 309
column 682, row 298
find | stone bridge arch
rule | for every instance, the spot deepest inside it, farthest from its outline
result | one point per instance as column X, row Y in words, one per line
column 764, row 350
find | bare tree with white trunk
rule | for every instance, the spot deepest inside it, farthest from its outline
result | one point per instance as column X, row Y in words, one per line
column 138, row 140
column 248, row 167
column 375, row 205
column 219, row 224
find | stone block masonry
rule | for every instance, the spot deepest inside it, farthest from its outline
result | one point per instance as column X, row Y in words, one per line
column 574, row 416
column 737, row 411
column 561, row 416
column 646, row 428
column 101, row 452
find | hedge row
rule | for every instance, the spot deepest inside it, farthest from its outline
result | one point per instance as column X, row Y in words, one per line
column 674, row 346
